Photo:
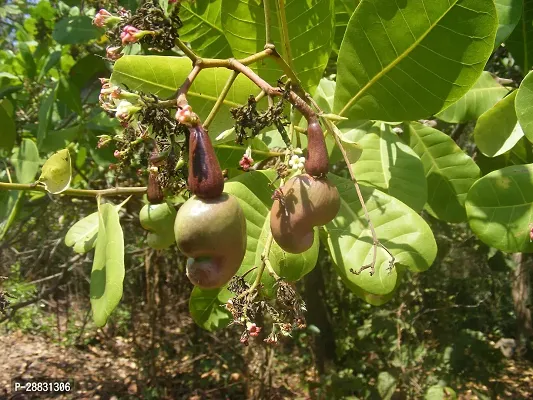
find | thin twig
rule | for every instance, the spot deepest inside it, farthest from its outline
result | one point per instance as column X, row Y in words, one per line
column 266, row 7
column 117, row 191
column 184, row 88
column 284, row 31
column 264, row 262
column 220, row 99
column 186, row 50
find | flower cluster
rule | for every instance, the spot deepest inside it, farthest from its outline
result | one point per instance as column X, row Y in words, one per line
column 285, row 310
column 150, row 25
column 113, row 98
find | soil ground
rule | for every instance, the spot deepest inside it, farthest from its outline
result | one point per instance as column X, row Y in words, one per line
column 98, row 373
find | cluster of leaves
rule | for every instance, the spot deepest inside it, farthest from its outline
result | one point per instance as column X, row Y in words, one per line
column 391, row 66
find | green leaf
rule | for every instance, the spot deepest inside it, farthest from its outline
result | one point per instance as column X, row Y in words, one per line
column 390, row 165
column 45, row 115
column 8, row 76
column 51, row 61
column 57, row 172
column 29, row 61
column 255, row 197
column 86, row 70
column 137, row 73
column 26, row 161
column 520, row 42
column 438, row 392
column 343, row 11
column 324, row 94
column 56, row 140
column 449, row 171
column 107, row 274
column 399, row 228
column 521, row 153
column 286, row 265
column 484, row 94
column 499, row 207
column 509, row 13
column 82, row 235
column 229, row 154
column 310, row 36
column 497, row 130
column 10, row 203
column 70, row 95
column 202, row 28
column 409, row 60
column 77, row 29
column 8, row 131
column 524, row 106
column 386, row 385
column 353, row 150
column 207, row 308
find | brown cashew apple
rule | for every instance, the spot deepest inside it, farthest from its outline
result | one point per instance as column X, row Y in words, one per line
column 205, row 175
column 316, row 163
column 212, row 233
column 301, row 204
column 158, row 220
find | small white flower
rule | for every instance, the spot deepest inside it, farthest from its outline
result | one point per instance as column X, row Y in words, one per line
column 123, row 109
column 297, row 162
column 297, row 150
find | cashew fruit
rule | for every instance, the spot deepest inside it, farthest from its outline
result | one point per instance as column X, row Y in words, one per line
column 212, row 233
column 205, row 176
column 154, row 192
column 304, row 202
column 316, row 163
column 158, row 220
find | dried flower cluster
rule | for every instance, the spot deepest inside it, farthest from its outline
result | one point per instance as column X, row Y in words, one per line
column 286, row 310
column 247, row 118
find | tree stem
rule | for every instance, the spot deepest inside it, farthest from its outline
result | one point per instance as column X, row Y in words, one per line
column 117, row 191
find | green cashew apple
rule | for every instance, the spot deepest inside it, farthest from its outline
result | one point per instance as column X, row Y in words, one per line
column 212, row 233
column 158, row 220
column 302, row 203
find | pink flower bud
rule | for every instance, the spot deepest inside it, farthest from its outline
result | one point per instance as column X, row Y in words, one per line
column 117, row 154
column 129, row 34
column 101, row 18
